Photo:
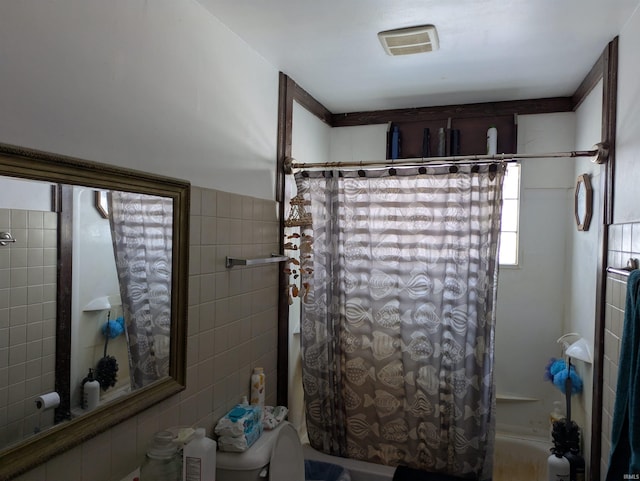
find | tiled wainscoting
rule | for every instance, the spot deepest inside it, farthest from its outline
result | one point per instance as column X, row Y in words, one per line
column 624, row 243
column 232, row 328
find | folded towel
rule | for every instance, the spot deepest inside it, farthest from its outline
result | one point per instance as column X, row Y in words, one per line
column 273, row 416
column 404, row 473
column 625, row 431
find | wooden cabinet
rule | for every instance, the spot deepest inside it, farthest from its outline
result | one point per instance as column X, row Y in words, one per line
column 472, row 133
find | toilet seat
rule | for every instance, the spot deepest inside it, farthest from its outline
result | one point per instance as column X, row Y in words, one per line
column 287, row 458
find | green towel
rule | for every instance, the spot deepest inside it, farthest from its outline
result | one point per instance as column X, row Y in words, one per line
column 625, row 431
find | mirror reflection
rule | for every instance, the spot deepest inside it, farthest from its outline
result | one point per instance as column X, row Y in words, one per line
column 113, row 335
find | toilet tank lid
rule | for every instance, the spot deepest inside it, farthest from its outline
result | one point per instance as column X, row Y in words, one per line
column 256, row 457
column 287, row 459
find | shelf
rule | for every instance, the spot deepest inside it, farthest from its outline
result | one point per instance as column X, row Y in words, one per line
column 233, row 261
column 514, row 398
column 472, row 135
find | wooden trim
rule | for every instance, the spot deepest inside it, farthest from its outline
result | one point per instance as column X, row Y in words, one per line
column 588, row 84
column 423, row 114
column 289, row 91
column 285, row 126
column 305, row 99
column 64, row 194
column 609, row 104
column 609, row 72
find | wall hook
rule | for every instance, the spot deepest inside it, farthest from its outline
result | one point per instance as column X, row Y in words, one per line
column 6, row 238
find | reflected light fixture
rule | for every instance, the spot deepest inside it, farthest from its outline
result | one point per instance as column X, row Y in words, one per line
column 576, row 347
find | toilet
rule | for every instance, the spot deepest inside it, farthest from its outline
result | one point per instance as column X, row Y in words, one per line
column 276, row 456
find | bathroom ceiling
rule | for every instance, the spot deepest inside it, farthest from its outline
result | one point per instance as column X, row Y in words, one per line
column 490, row 50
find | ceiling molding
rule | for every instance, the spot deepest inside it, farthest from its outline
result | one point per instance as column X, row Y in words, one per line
column 488, row 109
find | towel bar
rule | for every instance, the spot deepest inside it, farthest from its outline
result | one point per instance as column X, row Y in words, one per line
column 632, row 264
column 6, row 238
column 232, row 261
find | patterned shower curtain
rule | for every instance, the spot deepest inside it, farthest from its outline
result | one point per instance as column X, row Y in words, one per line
column 141, row 228
column 397, row 324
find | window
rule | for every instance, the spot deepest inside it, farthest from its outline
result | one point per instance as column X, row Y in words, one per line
column 508, row 255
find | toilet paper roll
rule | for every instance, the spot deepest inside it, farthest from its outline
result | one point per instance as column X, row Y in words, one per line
column 48, row 401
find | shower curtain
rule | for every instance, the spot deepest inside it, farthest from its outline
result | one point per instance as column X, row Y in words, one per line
column 141, row 228
column 397, row 323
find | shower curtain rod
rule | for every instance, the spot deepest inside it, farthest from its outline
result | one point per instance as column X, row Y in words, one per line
column 599, row 153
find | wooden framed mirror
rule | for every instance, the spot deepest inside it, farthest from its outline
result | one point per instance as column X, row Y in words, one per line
column 26, row 445
column 583, row 202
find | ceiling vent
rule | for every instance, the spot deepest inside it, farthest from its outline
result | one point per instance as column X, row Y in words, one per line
column 406, row 41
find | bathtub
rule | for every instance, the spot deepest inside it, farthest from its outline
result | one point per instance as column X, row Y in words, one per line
column 520, row 457
column 515, row 458
column 359, row 470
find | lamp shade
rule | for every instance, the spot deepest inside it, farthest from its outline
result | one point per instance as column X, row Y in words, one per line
column 578, row 349
column 98, row 304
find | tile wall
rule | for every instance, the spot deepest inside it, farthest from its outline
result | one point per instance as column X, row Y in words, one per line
column 624, row 243
column 27, row 321
column 232, row 328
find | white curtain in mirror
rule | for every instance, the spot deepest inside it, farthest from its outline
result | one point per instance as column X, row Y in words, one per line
column 142, row 239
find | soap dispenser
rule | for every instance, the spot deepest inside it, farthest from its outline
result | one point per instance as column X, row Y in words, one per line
column 90, row 392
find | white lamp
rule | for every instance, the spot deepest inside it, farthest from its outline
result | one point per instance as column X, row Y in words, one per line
column 576, row 347
column 98, row 304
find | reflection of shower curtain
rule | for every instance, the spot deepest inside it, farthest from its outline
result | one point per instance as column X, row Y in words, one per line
column 141, row 227
column 397, row 329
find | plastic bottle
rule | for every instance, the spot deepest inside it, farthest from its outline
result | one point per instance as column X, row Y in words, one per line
column 492, row 140
column 576, row 465
column 576, row 461
column 395, row 142
column 558, row 468
column 556, row 414
column 257, row 386
column 162, row 463
column 199, row 458
column 90, row 392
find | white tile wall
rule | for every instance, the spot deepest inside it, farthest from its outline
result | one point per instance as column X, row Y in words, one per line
column 624, row 243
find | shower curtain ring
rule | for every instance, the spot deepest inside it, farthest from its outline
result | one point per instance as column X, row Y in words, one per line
column 392, row 170
column 361, row 171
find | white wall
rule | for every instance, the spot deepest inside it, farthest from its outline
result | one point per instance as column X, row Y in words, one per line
column 627, row 176
column 309, row 144
column 367, row 142
column 580, row 308
column 531, row 297
column 25, row 195
column 157, row 86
